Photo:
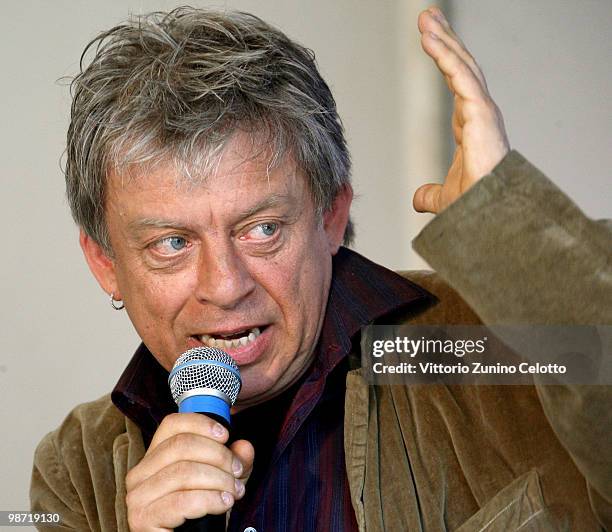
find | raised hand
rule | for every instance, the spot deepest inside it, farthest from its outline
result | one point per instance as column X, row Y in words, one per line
column 478, row 126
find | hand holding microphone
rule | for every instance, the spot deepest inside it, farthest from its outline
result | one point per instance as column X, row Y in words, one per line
column 188, row 472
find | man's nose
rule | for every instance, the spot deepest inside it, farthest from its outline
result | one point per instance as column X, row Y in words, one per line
column 223, row 277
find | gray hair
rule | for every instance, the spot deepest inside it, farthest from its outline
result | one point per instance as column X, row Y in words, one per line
column 176, row 86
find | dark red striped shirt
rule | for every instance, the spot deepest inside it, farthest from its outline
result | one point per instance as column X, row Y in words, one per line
column 299, row 480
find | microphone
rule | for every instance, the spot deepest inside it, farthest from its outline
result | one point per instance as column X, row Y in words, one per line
column 205, row 380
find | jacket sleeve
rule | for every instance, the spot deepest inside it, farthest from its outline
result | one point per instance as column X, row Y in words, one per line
column 51, row 489
column 519, row 251
column 79, row 469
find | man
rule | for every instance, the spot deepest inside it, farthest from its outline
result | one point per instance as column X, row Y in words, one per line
column 208, row 172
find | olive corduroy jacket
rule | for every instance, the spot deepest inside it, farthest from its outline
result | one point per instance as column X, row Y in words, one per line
column 434, row 457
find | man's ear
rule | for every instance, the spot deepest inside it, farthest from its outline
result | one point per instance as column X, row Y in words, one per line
column 336, row 218
column 100, row 264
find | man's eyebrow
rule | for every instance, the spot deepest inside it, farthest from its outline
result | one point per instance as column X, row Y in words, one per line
column 274, row 200
column 142, row 224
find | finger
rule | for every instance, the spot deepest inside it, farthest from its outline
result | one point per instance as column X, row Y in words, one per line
column 427, row 198
column 245, row 452
column 171, row 511
column 182, row 476
column 434, row 20
column 195, row 423
column 183, row 447
column 461, row 78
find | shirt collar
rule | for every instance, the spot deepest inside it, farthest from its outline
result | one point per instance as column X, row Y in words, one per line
column 361, row 292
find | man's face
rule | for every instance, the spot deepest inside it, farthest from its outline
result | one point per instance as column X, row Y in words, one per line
column 239, row 261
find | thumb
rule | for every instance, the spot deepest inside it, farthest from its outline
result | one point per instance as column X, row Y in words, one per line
column 245, row 452
column 427, row 198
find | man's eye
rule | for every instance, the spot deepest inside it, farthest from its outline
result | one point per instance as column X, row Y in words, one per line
column 171, row 244
column 263, row 231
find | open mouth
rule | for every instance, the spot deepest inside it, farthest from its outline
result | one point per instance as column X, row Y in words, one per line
column 231, row 341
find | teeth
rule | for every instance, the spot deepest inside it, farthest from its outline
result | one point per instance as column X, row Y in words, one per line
column 222, row 343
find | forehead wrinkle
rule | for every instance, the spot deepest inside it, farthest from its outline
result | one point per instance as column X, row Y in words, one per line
column 245, row 149
column 250, row 148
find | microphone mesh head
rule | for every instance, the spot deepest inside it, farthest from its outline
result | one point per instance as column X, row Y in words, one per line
column 205, row 367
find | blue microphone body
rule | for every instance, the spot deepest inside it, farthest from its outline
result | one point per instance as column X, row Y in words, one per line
column 207, row 404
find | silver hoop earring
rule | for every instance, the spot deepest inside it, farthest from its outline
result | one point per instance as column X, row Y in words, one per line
column 117, row 304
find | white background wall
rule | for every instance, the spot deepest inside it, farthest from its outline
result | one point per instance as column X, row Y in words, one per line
column 548, row 65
